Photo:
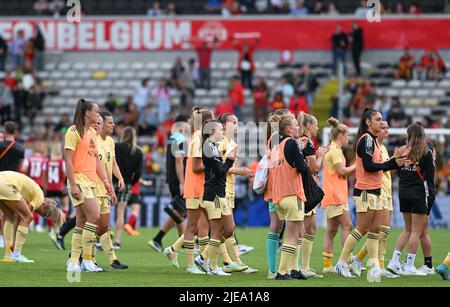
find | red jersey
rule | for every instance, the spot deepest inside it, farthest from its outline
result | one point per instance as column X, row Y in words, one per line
column 35, row 167
column 56, row 175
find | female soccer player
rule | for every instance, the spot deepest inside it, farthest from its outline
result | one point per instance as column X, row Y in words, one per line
column 20, row 196
column 276, row 225
column 386, row 212
column 83, row 166
column 309, row 128
column 335, row 187
column 214, row 201
column 367, row 191
column 197, row 222
column 230, row 125
column 416, row 189
column 287, row 163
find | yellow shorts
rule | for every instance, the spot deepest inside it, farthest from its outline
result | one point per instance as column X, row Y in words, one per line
column 387, row 203
column 230, row 201
column 335, row 210
column 194, row 203
column 291, row 209
column 311, row 213
column 103, row 205
column 87, row 192
column 368, row 201
column 9, row 192
column 217, row 208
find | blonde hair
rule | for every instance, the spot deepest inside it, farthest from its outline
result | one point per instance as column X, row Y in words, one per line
column 274, row 120
column 303, row 120
column 55, row 214
column 129, row 137
column 337, row 128
column 204, row 113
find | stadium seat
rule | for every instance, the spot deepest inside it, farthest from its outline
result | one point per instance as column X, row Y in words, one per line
column 414, row 83
column 422, row 92
column 399, row 83
column 407, row 92
column 438, row 92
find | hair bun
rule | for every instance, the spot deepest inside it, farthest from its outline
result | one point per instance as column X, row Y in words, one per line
column 333, row 122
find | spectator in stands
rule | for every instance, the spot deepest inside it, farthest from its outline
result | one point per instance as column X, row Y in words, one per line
column 112, row 104
column 438, row 65
column 3, row 52
column 131, row 116
column 40, row 7
column 298, row 8
column 236, row 95
column 425, row 66
column 20, row 101
column 141, row 94
column 187, row 85
column 204, row 51
column 261, row 99
column 383, row 105
column 362, row 9
column 332, row 10
column 148, row 121
column 286, row 88
column 398, row 9
column 339, row 42
column 176, row 71
column 29, row 53
column 18, row 49
column 192, row 78
column 318, row 8
column 279, row 6
column 224, row 106
column 396, row 116
column 161, row 97
column 365, row 97
column 405, row 66
column 36, row 95
column 39, row 49
column 246, row 5
column 306, row 83
column 155, row 10
column 246, row 64
column 230, row 7
column 64, row 124
column 213, row 5
column 415, row 9
column 171, row 9
column 56, row 7
column 277, row 102
column 6, row 102
column 346, row 103
column 356, row 39
column 298, row 103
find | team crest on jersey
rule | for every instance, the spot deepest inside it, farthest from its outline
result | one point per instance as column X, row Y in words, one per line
column 91, row 150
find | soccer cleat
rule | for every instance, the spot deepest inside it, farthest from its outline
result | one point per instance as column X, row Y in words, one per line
column 310, row 273
column 343, row 270
column 244, row 249
column 23, row 259
column 219, row 272
column 172, row 256
column 8, row 259
column 283, row 277
column 412, row 271
column 195, row 270
column 202, row 264
column 386, row 273
column 442, row 270
column 130, row 231
column 426, row 270
column 101, row 269
column 156, row 245
column 356, row 266
column 272, row 275
column 328, row 270
column 374, row 274
column 116, row 245
column 234, row 267
column 73, row 267
column 116, row 264
column 89, row 266
column 395, row 268
column 39, row 228
column 250, row 270
column 298, row 275
column 55, row 239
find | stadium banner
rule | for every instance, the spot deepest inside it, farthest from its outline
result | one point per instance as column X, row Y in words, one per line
column 141, row 34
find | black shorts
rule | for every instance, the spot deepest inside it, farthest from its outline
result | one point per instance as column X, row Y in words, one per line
column 56, row 194
column 414, row 205
column 127, row 196
column 174, row 189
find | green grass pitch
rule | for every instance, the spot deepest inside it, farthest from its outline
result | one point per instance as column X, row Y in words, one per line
column 148, row 268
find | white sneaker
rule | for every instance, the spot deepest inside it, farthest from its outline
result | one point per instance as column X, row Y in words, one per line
column 2, row 242
column 374, row 274
column 356, row 266
column 39, row 228
column 244, row 249
column 195, row 270
column 271, row 275
column 219, row 272
column 329, row 270
column 343, row 270
column 23, row 259
column 426, row 270
column 250, row 270
column 310, row 273
column 387, row 274
column 395, row 268
column 172, row 256
column 203, row 264
column 412, row 271
column 73, row 267
column 89, row 266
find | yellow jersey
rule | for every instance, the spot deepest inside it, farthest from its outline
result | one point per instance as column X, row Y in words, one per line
column 386, row 187
column 85, row 156
column 106, row 154
column 225, row 147
column 14, row 186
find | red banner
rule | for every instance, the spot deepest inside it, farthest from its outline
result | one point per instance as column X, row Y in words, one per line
column 275, row 34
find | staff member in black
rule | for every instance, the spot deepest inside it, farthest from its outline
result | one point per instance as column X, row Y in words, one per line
column 416, row 195
column 356, row 39
column 176, row 154
column 11, row 153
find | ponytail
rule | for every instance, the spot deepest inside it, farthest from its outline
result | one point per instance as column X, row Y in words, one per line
column 79, row 121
